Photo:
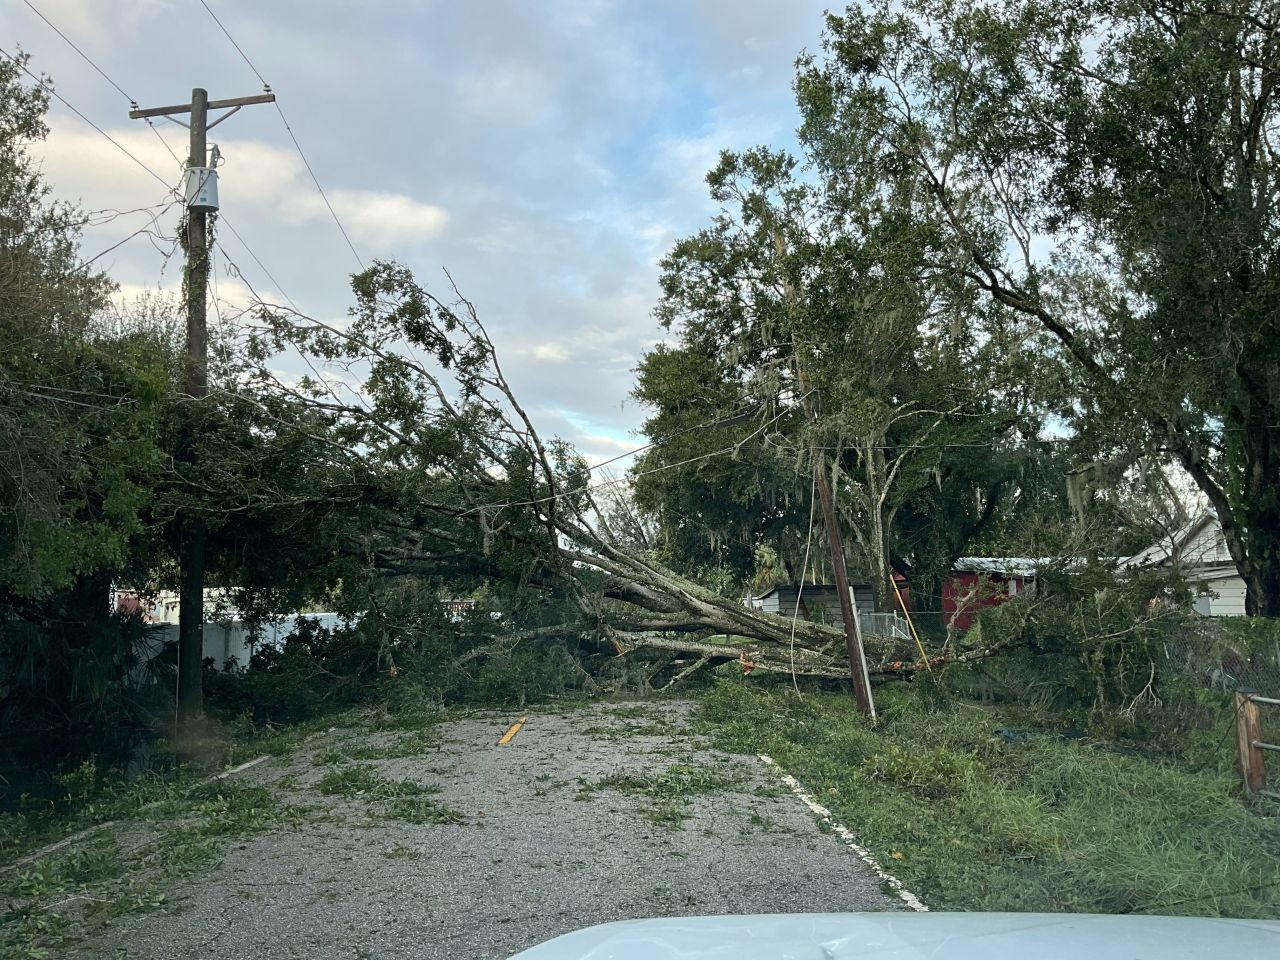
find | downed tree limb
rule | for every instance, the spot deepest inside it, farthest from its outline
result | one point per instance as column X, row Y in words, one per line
column 752, row 657
column 687, row 671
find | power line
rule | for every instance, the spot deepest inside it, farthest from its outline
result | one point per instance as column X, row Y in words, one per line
column 222, row 218
column 133, row 103
column 73, row 46
column 722, row 422
column 159, row 136
column 227, row 34
column 48, row 88
column 102, row 73
column 323, row 196
column 292, row 136
column 643, row 473
column 149, row 229
column 44, row 85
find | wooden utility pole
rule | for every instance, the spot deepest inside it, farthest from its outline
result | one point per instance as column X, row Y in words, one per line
column 191, row 526
column 830, row 520
column 840, row 573
column 1248, row 736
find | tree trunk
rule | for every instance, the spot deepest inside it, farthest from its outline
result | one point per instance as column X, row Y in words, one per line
column 1261, row 515
column 882, row 572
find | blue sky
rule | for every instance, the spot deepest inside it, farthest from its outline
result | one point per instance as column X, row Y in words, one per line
column 546, row 153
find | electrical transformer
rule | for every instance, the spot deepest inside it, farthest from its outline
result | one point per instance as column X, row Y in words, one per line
column 201, row 188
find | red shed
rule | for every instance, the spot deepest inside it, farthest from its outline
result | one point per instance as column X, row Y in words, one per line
column 978, row 582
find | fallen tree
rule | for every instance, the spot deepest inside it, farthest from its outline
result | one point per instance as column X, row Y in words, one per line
column 422, row 401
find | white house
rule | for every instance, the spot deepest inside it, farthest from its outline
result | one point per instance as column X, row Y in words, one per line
column 820, row 601
column 1199, row 551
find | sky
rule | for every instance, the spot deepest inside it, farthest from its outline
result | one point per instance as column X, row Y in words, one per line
column 548, row 154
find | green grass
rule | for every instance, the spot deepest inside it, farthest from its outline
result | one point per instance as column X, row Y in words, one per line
column 330, row 757
column 89, row 794
column 191, row 828
column 420, row 809
column 95, row 860
column 404, row 800
column 191, row 822
column 667, row 792
column 411, row 744
column 363, row 780
column 971, row 822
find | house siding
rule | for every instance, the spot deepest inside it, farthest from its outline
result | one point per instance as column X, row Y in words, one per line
column 1199, row 552
column 1223, row 592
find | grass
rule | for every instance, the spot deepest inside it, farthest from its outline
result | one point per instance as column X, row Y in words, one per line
column 56, row 899
column 421, row 810
column 404, row 800
column 971, row 822
column 363, row 780
column 400, row 852
column 97, row 859
column 668, row 792
column 87, row 795
column 622, row 731
column 413, row 743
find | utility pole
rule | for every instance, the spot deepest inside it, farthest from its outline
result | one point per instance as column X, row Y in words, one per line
column 830, row 520
column 201, row 197
column 835, row 541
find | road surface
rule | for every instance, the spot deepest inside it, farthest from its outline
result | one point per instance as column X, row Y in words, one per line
column 544, row 847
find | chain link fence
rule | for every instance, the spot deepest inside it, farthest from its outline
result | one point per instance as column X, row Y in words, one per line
column 1238, row 659
column 1226, row 655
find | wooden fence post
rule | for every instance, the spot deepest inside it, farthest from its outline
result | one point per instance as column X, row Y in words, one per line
column 1248, row 730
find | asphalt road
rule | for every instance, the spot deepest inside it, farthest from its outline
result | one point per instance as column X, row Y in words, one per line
column 543, row 848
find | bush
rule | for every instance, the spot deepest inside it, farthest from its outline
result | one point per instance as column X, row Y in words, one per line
column 74, row 690
column 319, row 671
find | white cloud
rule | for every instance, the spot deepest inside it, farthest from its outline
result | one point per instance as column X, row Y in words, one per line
column 600, row 441
column 82, row 164
column 384, row 219
column 551, row 352
column 548, row 155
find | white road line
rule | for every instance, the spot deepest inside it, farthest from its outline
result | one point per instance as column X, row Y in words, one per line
column 244, row 766
column 845, row 834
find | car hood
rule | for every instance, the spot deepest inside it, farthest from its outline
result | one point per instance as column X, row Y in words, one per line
column 925, row 936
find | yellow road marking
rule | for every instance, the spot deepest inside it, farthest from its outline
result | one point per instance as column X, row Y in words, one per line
column 515, row 728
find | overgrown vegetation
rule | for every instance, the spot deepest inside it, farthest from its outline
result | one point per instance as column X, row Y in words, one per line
column 971, row 820
column 53, row 902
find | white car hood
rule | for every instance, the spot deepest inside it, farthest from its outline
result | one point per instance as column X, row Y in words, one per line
column 924, row 936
